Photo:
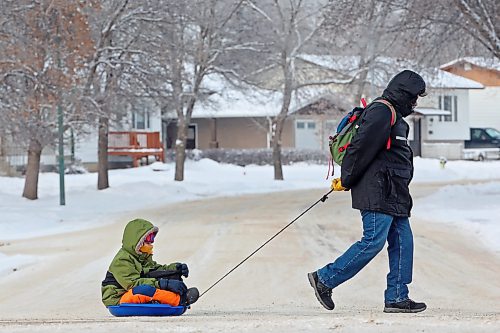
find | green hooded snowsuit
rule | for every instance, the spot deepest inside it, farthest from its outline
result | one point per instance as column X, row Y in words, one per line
column 129, row 266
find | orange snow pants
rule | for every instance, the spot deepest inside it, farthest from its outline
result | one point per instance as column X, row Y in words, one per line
column 146, row 294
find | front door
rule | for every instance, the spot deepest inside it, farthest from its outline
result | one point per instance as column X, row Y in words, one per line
column 416, row 143
column 191, row 137
column 306, row 135
column 171, row 135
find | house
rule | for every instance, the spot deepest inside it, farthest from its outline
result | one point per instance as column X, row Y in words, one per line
column 14, row 157
column 316, row 122
column 241, row 119
column 135, row 137
column 231, row 118
column 441, row 124
column 245, row 124
column 484, row 104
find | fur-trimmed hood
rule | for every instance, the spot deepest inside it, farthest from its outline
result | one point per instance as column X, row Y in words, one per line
column 134, row 234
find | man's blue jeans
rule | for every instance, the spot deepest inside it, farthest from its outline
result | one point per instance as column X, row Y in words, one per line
column 377, row 228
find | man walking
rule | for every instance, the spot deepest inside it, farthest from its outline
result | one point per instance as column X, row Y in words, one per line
column 377, row 168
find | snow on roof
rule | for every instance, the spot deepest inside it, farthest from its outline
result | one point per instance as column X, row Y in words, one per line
column 229, row 101
column 224, row 100
column 436, row 78
column 432, row 112
column 384, row 68
column 489, row 63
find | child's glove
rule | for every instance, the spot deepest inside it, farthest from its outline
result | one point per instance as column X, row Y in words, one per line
column 337, row 185
column 182, row 269
column 174, row 286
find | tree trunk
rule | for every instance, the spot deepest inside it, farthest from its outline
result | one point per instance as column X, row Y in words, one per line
column 280, row 122
column 360, row 87
column 102, row 155
column 180, row 150
column 276, row 144
column 32, row 170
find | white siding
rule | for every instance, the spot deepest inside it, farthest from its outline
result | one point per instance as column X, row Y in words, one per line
column 450, row 151
column 435, row 130
column 86, row 145
column 485, row 107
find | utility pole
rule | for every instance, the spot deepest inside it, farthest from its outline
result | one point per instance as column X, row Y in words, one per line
column 62, row 196
column 62, row 199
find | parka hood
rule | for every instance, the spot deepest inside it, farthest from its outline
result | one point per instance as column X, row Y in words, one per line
column 403, row 90
column 134, row 234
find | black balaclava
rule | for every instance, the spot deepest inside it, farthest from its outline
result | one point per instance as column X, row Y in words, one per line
column 403, row 91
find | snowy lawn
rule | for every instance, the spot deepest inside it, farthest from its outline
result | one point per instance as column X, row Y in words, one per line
column 474, row 207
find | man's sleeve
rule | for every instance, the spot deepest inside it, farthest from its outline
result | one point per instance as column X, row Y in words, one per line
column 371, row 137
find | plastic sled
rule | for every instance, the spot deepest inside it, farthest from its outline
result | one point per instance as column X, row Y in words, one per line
column 133, row 309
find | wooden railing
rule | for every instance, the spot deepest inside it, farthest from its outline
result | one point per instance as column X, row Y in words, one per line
column 136, row 144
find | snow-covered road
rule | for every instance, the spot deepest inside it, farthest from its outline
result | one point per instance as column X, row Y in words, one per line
column 60, row 291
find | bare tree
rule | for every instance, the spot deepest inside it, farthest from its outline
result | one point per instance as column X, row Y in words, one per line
column 366, row 39
column 190, row 41
column 279, row 31
column 482, row 22
column 118, row 27
column 379, row 34
column 451, row 28
column 44, row 46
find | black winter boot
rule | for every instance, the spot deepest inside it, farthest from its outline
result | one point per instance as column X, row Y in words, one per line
column 323, row 293
column 406, row 306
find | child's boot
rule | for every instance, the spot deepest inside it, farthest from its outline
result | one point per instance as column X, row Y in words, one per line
column 192, row 295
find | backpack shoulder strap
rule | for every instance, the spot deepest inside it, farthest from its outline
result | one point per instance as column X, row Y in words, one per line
column 389, row 105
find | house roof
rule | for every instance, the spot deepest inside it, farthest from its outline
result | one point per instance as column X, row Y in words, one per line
column 384, row 68
column 436, row 78
column 224, row 100
column 229, row 101
column 488, row 63
column 252, row 104
column 322, row 106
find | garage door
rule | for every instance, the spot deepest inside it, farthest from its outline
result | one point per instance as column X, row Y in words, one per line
column 306, row 135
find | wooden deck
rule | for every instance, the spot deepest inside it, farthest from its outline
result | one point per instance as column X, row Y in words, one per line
column 136, row 145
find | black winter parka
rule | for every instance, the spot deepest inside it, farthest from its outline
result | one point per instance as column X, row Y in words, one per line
column 378, row 177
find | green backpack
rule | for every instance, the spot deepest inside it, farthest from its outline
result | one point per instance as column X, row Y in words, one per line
column 348, row 128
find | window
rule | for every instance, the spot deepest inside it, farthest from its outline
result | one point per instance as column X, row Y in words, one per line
column 449, row 103
column 493, row 133
column 477, row 134
column 305, row 125
column 455, row 108
column 48, row 114
column 140, row 119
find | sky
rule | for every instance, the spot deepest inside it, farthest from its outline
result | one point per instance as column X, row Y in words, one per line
column 474, row 207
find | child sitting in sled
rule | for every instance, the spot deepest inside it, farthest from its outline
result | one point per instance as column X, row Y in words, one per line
column 134, row 277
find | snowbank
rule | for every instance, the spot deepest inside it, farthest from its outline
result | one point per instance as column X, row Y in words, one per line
column 151, row 186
